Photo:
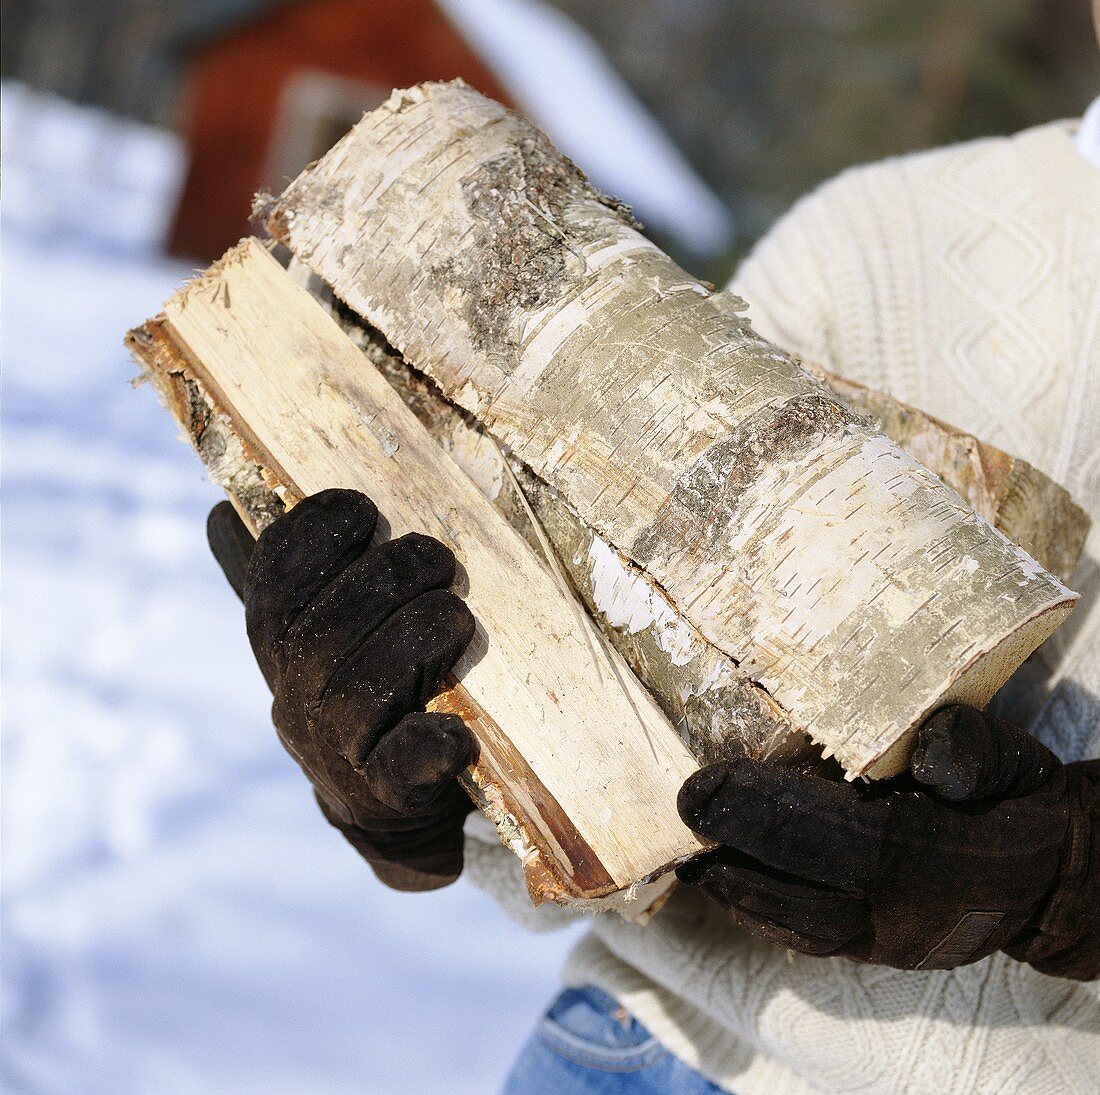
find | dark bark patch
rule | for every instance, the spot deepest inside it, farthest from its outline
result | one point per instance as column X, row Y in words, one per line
column 702, row 507
column 524, row 256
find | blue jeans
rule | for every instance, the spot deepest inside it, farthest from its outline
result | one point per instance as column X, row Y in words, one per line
column 587, row 1044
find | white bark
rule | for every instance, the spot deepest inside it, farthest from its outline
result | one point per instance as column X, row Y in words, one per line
column 828, row 564
column 1032, row 510
column 715, row 706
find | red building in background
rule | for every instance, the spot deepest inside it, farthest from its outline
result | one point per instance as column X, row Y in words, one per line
column 269, row 90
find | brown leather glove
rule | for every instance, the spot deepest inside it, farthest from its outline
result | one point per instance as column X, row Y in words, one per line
column 991, row 844
column 353, row 641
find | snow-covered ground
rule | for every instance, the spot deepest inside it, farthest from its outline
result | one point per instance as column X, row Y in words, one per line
column 177, row 917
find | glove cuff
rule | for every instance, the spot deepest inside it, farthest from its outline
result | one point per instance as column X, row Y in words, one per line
column 1064, row 940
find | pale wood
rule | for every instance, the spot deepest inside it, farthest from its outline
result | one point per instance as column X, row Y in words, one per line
column 837, row 572
column 579, row 768
column 715, row 702
column 714, row 706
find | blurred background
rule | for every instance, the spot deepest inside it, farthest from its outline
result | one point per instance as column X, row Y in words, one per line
column 176, row 915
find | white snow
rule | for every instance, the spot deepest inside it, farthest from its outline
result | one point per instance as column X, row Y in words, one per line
column 177, row 916
column 559, row 77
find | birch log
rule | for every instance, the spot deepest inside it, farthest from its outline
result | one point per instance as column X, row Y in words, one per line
column 718, row 710
column 281, row 404
column 830, row 566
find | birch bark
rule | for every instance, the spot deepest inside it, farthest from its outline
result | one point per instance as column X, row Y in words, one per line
column 828, row 565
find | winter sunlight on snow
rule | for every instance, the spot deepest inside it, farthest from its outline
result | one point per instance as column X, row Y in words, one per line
column 178, row 916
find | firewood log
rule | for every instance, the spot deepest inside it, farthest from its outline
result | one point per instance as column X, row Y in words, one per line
column 835, row 570
column 780, row 576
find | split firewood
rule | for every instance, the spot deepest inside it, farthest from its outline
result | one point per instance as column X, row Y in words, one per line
column 574, row 751
column 755, row 549
column 836, row 571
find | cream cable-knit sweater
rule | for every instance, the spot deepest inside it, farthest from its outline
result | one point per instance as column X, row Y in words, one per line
column 966, row 281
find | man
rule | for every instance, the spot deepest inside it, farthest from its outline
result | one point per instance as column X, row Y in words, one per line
column 941, row 931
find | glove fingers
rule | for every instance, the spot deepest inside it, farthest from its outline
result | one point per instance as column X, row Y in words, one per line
column 231, row 543
column 397, row 669
column 297, row 556
column 964, row 755
column 811, row 919
column 415, row 764
column 800, row 824
column 412, row 855
column 358, row 601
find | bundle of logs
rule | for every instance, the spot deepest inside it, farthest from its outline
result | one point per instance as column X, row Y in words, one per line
column 769, row 560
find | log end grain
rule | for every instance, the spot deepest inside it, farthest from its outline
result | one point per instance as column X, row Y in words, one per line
column 975, row 685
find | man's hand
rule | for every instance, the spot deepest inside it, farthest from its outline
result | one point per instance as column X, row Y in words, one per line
column 991, row 844
column 353, row 641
